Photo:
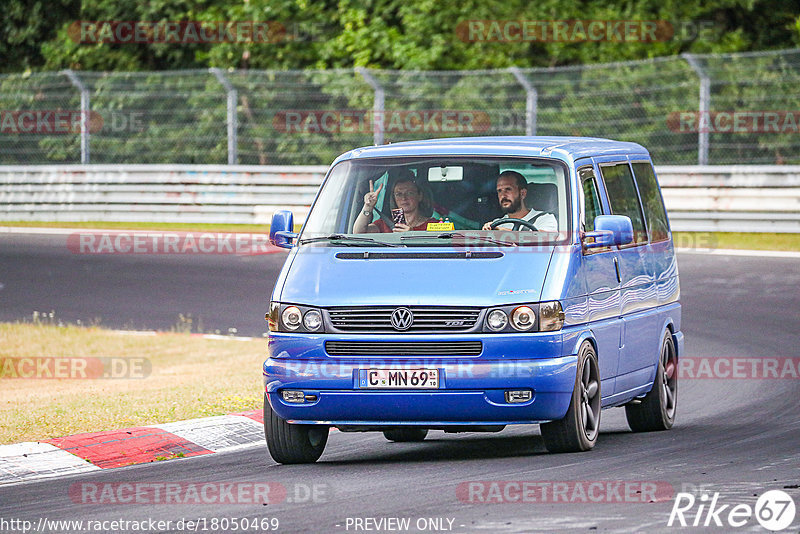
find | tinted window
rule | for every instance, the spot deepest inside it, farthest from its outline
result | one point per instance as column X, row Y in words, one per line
column 623, row 198
column 591, row 201
column 651, row 198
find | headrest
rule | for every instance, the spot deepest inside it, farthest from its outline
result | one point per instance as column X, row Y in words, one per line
column 542, row 197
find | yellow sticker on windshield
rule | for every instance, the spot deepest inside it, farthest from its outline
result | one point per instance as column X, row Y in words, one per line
column 440, row 227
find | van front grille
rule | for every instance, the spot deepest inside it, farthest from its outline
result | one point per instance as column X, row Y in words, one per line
column 425, row 319
column 403, row 348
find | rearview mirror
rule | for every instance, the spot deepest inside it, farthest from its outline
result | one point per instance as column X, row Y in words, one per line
column 281, row 231
column 609, row 230
column 445, row 174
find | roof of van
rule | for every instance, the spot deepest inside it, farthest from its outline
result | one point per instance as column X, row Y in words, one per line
column 571, row 147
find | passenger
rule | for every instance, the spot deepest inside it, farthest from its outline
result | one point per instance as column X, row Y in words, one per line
column 511, row 191
column 406, row 195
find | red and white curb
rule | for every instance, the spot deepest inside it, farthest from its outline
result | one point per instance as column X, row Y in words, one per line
column 190, row 334
column 21, row 462
column 94, row 451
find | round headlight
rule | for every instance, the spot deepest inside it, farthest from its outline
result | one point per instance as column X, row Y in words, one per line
column 291, row 317
column 312, row 320
column 523, row 318
column 497, row 319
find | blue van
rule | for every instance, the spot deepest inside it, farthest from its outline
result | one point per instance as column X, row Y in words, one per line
column 471, row 283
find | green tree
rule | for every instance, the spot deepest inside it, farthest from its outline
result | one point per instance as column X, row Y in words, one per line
column 392, row 34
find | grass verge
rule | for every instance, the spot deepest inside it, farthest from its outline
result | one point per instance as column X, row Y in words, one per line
column 190, row 377
column 737, row 240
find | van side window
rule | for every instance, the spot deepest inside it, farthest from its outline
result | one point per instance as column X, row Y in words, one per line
column 651, row 198
column 591, row 201
column 623, row 198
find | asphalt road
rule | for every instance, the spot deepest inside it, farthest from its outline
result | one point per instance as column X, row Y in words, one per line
column 735, row 437
column 39, row 273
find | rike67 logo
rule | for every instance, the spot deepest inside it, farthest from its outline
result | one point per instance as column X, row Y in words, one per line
column 774, row 510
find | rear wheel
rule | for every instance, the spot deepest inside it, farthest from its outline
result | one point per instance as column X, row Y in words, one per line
column 290, row 443
column 656, row 411
column 405, row 434
column 578, row 430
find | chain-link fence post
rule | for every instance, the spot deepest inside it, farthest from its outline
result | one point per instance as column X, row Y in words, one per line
column 378, row 106
column 76, row 82
column 232, row 121
column 703, row 115
column 531, row 100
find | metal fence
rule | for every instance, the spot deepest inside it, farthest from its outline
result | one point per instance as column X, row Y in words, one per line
column 690, row 109
column 715, row 198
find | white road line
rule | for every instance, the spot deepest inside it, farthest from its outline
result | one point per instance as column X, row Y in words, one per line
column 43, row 231
column 205, row 336
column 737, row 252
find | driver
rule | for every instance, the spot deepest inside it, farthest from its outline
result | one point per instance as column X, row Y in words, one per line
column 511, row 191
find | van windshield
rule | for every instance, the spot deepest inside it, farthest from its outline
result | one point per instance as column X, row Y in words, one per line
column 447, row 200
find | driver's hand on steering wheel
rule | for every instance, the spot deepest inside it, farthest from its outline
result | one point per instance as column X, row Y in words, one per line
column 487, row 226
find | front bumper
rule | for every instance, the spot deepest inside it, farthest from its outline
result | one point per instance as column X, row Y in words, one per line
column 471, row 392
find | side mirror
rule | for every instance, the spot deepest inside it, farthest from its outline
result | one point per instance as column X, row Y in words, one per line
column 609, row 230
column 281, row 231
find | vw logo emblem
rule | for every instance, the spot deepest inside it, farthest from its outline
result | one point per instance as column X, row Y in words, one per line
column 402, row 319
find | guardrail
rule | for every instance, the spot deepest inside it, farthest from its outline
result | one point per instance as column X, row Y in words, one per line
column 156, row 193
column 735, row 198
column 698, row 198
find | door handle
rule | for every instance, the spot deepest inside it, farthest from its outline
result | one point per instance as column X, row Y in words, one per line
column 616, row 268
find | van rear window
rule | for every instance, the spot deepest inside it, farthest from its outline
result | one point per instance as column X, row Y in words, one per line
column 651, row 198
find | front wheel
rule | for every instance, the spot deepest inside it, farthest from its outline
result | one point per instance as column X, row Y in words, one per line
column 293, row 444
column 656, row 411
column 577, row 431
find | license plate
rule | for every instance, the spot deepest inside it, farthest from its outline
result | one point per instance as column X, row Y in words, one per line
column 398, row 378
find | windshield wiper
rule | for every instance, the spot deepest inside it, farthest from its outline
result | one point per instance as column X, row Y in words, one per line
column 348, row 240
column 453, row 235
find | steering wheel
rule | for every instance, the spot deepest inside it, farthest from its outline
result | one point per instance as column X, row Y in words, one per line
column 516, row 222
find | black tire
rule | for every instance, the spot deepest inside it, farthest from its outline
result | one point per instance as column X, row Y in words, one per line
column 656, row 411
column 293, row 444
column 578, row 430
column 405, row 434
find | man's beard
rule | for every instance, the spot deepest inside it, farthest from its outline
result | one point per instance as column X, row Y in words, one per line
column 514, row 206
